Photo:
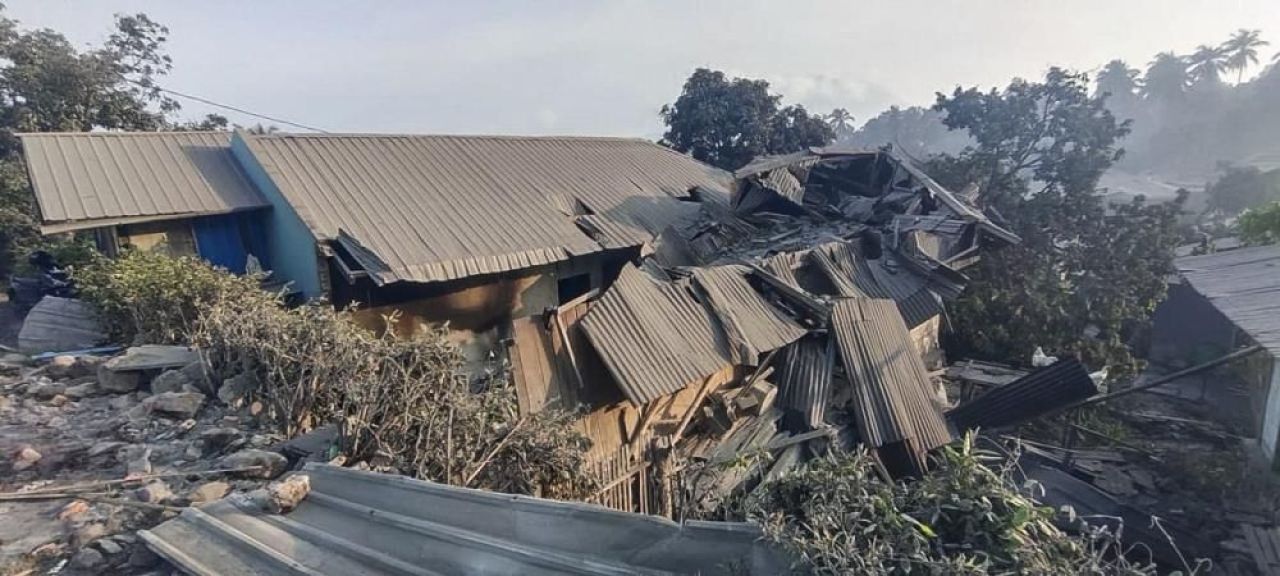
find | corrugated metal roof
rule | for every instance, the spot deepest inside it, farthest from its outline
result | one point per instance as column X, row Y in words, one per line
column 1059, row 384
column 886, row 277
column 752, row 324
column 652, row 337
column 444, row 207
column 804, row 380
column 85, row 180
column 891, row 391
column 1244, row 284
column 369, row 524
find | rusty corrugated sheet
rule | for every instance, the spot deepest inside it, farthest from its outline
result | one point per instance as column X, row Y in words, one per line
column 651, row 337
column 804, row 380
column 1059, row 384
column 752, row 325
column 436, row 208
column 892, row 396
column 86, row 180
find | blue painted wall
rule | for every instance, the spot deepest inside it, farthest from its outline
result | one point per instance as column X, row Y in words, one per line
column 292, row 248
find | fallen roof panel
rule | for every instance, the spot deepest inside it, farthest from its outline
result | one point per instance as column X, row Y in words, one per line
column 365, row 523
column 804, row 383
column 753, row 325
column 1059, row 384
column 892, row 393
column 86, row 180
column 652, row 338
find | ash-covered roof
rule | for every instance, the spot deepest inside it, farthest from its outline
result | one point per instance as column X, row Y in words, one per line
column 433, row 208
column 1244, row 284
column 94, row 179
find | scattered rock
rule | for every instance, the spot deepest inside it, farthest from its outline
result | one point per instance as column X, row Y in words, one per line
column 181, row 404
column 118, row 382
column 155, row 492
column 286, row 494
column 137, row 460
column 44, row 390
column 27, row 457
column 197, row 374
column 109, row 446
column 217, row 438
column 234, row 390
column 152, row 357
column 88, row 559
column 88, row 533
column 59, row 400
column 73, row 510
column 108, row 546
column 271, row 464
column 170, row 381
column 61, row 366
column 208, row 492
column 81, row 391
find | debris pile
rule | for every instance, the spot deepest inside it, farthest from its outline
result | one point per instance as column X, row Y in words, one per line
column 95, row 448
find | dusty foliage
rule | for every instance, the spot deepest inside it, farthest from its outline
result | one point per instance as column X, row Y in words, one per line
column 152, row 298
column 400, row 403
column 969, row 516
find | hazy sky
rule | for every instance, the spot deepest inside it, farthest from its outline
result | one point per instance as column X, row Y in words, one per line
column 605, row 68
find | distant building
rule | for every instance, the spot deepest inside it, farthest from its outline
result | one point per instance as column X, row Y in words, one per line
column 1220, row 302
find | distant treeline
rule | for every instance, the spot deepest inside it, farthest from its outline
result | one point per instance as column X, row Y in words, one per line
column 1191, row 114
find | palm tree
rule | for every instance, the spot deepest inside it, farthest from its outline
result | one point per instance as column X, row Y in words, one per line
column 841, row 122
column 1242, row 50
column 1207, row 63
column 1166, row 77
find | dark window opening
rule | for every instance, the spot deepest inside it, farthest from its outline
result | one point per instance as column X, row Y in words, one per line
column 573, row 287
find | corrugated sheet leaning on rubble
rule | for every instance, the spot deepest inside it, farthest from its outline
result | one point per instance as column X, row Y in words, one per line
column 891, row 391
column 362, row 523
column 805, row 381
column 1059, row 384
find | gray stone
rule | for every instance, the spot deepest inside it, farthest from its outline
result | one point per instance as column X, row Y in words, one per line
column 182, row 404
column 152, row 357
column 88, row 559
column 271, row 464
column 137, row 460
column 82, row 391
column 109, row 446
column 118, row 382
column 27, row 457
column 108, row 546
column 46, row 390
column 208, row 492
column 197, row 374
column 154, row 492
column 235, row 389
column 169, row 381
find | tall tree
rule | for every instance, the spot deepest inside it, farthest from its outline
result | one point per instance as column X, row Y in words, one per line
column 727, row 122
column 841, row 122
column 1242, row 50
column 1206, row 65
column 46, row 84
column 1166, row 78
column 1120, row 84
column 1085, row 274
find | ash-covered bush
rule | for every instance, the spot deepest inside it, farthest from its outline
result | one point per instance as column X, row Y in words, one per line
column 152, row 298
column 401, row 404
column 968, row 516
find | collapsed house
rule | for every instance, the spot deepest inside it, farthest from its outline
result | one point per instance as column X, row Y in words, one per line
column 691, row 315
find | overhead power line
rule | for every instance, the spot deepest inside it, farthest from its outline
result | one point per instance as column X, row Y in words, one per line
column 230, row 107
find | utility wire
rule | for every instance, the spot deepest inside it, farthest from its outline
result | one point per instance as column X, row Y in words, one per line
column 228, row 107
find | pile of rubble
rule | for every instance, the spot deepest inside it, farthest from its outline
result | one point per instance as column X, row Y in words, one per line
column 93, row 449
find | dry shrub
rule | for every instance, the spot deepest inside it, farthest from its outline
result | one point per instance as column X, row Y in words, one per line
column 967, row 516
column 400, row 403
column 153, row 298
